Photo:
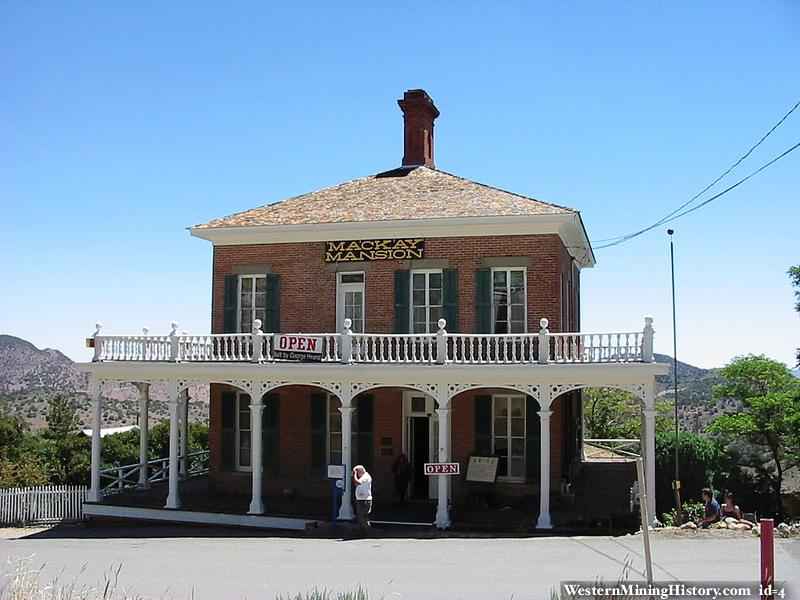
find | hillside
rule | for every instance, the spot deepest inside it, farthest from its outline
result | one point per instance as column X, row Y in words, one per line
column 695, row 390
column 30, row 378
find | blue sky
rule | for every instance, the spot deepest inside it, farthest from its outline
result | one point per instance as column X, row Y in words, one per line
column 124, row 123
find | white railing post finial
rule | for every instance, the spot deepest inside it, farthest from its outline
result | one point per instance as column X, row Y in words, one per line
column 544, row 342
column 258, row 342
column 96, row 343
column 346, row 348
column 647, row 339
column 174, row 342
column 441, row 343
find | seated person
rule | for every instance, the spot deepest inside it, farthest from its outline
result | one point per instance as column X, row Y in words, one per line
column 712, row 510
column 729, row 509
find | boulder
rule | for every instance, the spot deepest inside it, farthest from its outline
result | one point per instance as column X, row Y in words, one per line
column 689, row 525
column 719, row 525
column 731, row 520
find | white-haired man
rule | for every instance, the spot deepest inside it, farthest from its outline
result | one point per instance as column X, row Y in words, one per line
column 363, row 482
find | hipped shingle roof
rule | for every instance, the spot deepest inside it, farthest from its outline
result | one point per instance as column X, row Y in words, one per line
column 401, row 194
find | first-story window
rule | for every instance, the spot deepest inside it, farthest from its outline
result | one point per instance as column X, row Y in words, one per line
column 243, row 433
column 508, row 300
column 252, row 300
column 335, row 432
column 426, row 301
column 508, row 436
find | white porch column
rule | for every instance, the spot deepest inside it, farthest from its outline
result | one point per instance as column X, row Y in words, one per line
column 173, row 498
column 95, row 494
column 184, row 436
column 650, row 460
column 144, row 433
column 346, row 509
column 443, row 504
column 544, row 471
column 256, row 460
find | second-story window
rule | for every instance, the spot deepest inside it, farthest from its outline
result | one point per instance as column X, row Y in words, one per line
column 508, row 300
column 426, row 301
column 252, row 300
column 350, row 301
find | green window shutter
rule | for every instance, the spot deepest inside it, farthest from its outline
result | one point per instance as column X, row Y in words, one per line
column 365, row 417
column 231, row 303
column 533, row 437
column 228, row 443
column 269, row 433
column 483, row 425
column 272, row 312
column 483, row 301
column 402, row 296
column 450, row 299
column 319, row 414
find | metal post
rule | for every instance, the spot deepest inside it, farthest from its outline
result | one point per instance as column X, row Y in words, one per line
column 676, row 483
column 648, row 563
column 767, row 558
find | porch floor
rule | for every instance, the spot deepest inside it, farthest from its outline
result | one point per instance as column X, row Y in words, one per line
column 598, row 504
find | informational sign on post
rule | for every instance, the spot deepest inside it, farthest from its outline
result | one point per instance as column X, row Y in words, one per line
column 442, row 468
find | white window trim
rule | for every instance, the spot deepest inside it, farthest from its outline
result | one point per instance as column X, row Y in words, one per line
column 331, row 398
column 340, row 307
column 238, row 465
column 507, row 478
column 427, row 272
column 253, row 308
column 508, row 270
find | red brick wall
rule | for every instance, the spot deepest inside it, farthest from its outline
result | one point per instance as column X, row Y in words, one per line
column 294, row 444
column 305, row 275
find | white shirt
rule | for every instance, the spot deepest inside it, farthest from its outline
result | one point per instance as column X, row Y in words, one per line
column 364, row 489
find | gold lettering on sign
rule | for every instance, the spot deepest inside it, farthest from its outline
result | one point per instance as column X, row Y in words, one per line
column 360, row 250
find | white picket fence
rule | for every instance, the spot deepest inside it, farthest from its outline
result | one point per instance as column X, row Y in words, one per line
column 42, row 505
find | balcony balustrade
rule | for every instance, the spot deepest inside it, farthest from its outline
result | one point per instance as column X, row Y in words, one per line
column 347, row 347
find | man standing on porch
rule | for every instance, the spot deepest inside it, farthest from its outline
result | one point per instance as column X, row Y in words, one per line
column 363, row 483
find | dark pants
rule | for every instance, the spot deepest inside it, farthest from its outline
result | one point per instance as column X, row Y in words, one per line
column 401, row 487
column 363, row 508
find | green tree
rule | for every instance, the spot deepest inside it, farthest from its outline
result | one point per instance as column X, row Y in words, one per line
column 769, row 420
column 13, row 430
column 62, row 418
column 610, row 413
column 794, row 277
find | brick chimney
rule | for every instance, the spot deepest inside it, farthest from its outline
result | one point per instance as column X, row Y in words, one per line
column 418, row 115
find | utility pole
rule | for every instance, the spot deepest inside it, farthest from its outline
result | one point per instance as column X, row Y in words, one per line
column 676, row 483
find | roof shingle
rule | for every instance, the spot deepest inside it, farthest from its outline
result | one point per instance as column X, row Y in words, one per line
column 400, row 194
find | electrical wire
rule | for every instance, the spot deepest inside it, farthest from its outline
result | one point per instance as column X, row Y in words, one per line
column 624, row 238
column 675, row 216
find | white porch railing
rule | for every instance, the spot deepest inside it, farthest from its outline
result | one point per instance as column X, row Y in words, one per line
column 125, row 476
column 42, row 505
column 611, row 449
column 348, row 347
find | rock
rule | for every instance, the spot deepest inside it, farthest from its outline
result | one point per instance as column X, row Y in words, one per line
column 688, row 525
column 784, row 530
column 756, row 531
column 719, row 525
column 731, row 520
column 739, row 527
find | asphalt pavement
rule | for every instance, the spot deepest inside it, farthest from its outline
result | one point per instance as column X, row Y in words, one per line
column 227, row 564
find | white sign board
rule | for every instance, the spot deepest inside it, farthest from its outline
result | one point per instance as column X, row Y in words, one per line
column 442, row 468
column 482, row 468
column 302, row 348
column 335, row 471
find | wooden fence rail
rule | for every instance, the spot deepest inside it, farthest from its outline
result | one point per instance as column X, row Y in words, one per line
column 41, row 505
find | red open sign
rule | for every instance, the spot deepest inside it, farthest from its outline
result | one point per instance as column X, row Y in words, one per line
column 442, row 468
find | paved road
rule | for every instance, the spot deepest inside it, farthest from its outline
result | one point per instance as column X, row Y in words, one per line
column 222, row 564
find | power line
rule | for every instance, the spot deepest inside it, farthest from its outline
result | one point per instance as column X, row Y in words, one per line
column 665, row 219
column 702, row 204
